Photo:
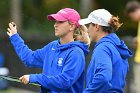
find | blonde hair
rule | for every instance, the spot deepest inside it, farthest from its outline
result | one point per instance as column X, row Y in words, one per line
column 82, row 35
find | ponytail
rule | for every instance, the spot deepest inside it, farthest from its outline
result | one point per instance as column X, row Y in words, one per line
column 81, row 34
column 114, row 23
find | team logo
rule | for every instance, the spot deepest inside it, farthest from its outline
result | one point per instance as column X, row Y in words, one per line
column 60, row 61
column 53, row 48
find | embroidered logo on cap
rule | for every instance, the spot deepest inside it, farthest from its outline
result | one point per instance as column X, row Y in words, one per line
column 62, row 11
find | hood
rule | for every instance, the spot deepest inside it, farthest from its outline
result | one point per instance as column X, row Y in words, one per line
column 79, row 44
column 120, row 45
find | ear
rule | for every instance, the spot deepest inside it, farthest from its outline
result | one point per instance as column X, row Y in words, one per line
column 72, row 27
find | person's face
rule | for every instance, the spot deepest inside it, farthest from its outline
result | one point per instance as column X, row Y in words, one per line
column 135, row 16
column 61, row 28
column 93, row 30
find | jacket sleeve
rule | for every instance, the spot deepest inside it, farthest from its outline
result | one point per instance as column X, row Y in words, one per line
column 72, row 70
column 29, row 58
column 102, row 75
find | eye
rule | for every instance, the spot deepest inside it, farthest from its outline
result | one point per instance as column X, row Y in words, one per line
column 60, row 21
column 87, row 25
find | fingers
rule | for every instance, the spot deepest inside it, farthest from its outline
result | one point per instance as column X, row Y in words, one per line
column 24, row 79
column 13, row 24
column 9, row 31
column 12, row 29
column 8, row 34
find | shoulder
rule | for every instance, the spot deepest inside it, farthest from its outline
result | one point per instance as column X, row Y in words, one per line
column 77, row 51
column 104, row 47
column 51, row 44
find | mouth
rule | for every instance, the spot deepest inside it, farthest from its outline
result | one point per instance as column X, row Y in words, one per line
column 55, row 29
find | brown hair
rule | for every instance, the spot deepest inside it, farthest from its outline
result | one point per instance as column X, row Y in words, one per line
column 114, row 25
column 81, row 34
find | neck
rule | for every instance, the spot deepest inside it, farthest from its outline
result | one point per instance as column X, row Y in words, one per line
column 66, row 39
column 101, row 35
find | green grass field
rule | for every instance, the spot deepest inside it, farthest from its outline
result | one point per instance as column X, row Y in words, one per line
column 16, row 90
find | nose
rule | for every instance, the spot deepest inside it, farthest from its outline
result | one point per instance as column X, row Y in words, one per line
column 55, row 24
column 88, row 31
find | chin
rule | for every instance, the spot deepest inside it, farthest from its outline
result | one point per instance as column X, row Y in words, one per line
column 57, row 35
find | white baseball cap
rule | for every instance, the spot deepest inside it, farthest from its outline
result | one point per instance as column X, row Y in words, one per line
column 99, row 16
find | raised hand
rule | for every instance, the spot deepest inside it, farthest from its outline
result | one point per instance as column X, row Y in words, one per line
column 12, row 29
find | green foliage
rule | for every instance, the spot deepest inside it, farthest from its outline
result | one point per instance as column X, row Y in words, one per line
column 34, row 14
column 55, row 5
column 4, row 13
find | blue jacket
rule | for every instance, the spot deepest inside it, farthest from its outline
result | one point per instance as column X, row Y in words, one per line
column 63, row 65
column 108, row 67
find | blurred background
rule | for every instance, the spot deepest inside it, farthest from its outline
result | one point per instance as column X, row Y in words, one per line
column 37, row 31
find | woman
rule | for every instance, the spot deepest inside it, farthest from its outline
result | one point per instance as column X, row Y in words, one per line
column 62, row 61
column 109, row 63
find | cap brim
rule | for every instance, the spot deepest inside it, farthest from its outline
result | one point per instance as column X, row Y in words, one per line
column 56, row 17
column 84, row 21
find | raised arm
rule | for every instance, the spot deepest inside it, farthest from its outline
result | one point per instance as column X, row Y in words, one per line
column 29, row 58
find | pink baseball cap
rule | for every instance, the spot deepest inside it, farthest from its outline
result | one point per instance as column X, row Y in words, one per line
column 66, row 14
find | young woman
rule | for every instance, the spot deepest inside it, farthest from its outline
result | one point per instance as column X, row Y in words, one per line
column 109, row 63
column 62, row 61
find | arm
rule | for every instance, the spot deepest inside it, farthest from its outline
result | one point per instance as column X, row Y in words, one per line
column 103, row 73
column 29, row 58
column 72, row 70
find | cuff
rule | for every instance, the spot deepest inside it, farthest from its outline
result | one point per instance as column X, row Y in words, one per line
column 14, row 37
column 32, row 78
